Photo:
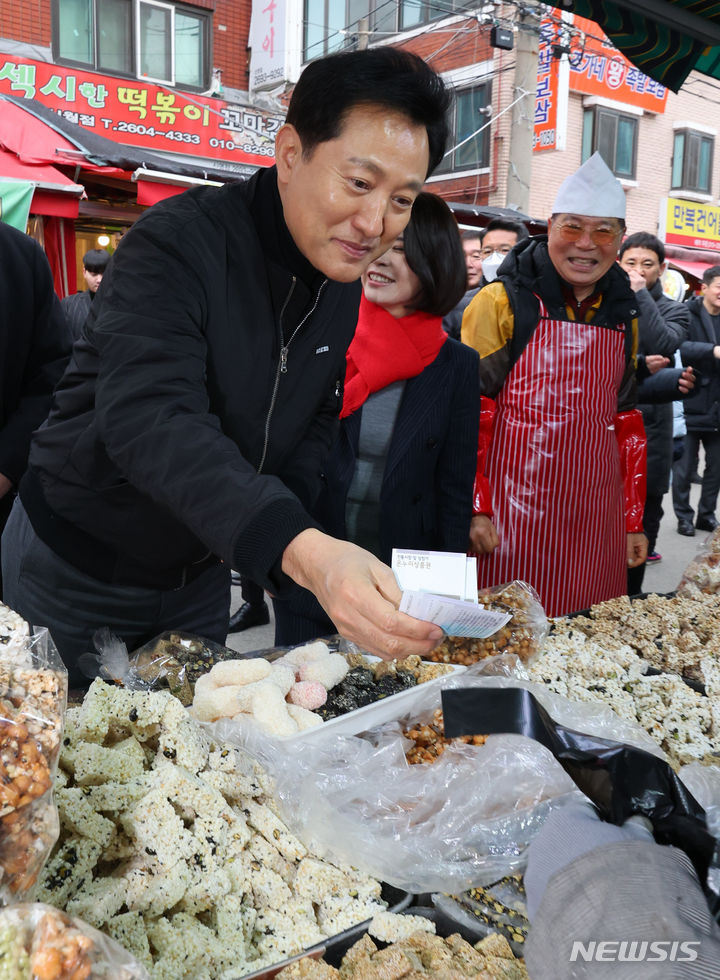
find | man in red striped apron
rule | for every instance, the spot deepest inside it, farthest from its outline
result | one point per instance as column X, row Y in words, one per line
column 561, row 462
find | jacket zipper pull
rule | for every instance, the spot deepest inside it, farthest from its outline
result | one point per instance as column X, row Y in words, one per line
column 337, row 388
column 283, row 360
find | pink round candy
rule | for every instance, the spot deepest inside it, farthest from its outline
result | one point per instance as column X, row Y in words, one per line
column 308, row 694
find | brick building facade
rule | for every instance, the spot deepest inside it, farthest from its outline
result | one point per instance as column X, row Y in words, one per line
column 34, row 23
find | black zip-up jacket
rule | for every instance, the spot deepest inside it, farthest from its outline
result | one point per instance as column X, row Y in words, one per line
column 702, row 412
column 200, row 400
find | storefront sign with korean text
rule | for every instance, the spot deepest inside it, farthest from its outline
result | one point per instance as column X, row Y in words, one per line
column 598, row 68
column 689, row 223
column 546, row 93
column 140, row 114
column 268, row 51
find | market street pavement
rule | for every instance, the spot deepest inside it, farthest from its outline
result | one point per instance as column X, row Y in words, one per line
column 662, row 576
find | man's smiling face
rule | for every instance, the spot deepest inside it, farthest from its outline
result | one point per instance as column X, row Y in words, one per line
column 583, row 249
column 348, row 200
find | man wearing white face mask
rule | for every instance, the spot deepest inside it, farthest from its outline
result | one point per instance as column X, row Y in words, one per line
column 500, row 236
column 484, row 252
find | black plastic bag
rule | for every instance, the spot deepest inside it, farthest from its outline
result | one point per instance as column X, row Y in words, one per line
column 619, row 779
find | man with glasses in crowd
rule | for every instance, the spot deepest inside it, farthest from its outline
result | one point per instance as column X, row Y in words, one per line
column 561, row 467
column 484, row 252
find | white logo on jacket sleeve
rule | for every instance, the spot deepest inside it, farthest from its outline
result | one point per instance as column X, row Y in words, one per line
column 322, row 350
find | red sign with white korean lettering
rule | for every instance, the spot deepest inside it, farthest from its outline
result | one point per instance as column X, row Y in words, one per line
column 547, row 91
column 598, row 68
column 140, row 114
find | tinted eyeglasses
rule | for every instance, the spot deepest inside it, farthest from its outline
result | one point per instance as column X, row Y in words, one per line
column 598, row 236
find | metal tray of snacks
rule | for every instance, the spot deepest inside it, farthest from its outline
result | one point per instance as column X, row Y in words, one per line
column 378, row 712
column 334, row 948
column 479, row 912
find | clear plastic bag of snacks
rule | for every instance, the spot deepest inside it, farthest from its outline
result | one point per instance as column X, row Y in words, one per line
column 37, row 942
column 703, row 571
column 172, row 660
column 523, row 635
column 462, row 819
column 33, row 698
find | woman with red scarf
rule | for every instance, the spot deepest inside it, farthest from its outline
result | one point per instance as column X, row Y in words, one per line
column 400, row 474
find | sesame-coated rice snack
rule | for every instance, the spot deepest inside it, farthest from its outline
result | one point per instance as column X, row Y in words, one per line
column 186, row 861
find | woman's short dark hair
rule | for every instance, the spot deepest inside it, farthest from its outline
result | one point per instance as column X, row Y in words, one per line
column 398, row 80
column 434, row 252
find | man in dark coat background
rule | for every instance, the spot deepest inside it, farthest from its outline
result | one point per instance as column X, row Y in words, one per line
column 702, row 413
column 77, row 306
column 662, row 324
column 34, row 349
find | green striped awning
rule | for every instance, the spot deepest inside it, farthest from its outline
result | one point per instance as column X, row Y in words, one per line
column 666, row 39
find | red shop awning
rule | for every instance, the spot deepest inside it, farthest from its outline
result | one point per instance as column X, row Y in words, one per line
column 155, row 185
column 695, row 269
column 34, row 141
column 55, row 194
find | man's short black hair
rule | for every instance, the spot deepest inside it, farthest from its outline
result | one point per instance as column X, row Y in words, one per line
column 96, row 259
column 399, row 80
column 712, row 273
column 468, row 235
column 643, row 239
column 507, row 224
column 434, row 252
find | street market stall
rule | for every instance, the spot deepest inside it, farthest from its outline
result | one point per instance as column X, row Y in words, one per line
column 208, row 816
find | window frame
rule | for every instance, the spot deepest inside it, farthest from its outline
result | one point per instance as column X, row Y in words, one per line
column 591, row 145
column 201, row 14
column 139, row 4
column 696, row 135
column 445, row 172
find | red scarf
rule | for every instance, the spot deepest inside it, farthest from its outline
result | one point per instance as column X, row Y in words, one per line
column 386, row 349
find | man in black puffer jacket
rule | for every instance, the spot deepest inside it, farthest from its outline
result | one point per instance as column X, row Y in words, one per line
column 702, row 412
column 187, row 435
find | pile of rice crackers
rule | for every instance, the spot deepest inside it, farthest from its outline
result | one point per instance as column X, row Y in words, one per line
column 170, row 844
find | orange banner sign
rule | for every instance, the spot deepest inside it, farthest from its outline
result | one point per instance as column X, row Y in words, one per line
column 598, row 68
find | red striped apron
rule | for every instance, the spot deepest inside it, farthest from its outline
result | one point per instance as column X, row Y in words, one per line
column 554, row 468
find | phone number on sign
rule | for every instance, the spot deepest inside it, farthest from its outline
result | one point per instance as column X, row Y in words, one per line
column 261, row 151
column 170, row 134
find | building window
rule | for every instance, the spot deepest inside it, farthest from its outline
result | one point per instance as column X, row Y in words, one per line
column 160, row 42
column 416, row 12
column 692, row 161
column 331, row 25
column 614, row 135
column 469, row 146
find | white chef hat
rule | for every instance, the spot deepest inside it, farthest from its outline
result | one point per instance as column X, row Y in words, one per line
column 592, row 191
